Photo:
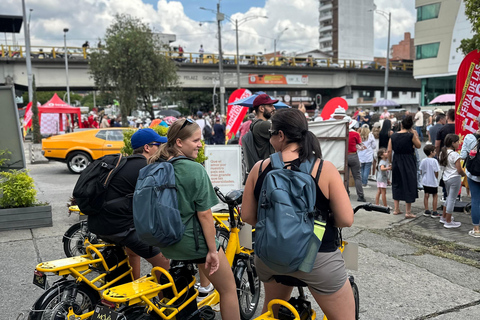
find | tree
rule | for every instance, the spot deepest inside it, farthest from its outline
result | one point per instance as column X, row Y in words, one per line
column 472, row 11
column 37, row 137
column 132, row 66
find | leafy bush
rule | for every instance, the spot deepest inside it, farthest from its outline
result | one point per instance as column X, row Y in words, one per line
column 17, row 188
column 4, row 157
column 161, row 130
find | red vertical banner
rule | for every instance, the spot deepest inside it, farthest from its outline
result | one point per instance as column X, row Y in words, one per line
column 467, row 96
column 235, row 113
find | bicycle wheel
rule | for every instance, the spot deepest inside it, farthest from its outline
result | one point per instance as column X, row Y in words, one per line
column 222, row 236
column 74, row 238
column 247, row 281
column 53, row 305
column 356, row 297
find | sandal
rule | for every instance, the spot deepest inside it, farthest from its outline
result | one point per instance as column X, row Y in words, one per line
column 410, row 215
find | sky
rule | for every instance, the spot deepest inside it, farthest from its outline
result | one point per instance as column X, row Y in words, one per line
column 88, row 20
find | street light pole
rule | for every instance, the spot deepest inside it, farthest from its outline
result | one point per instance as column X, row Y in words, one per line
column 275, row 46
column 238, row 56
column 220, row 18
column 66, row 61
column 27, row 53
column 387, row 67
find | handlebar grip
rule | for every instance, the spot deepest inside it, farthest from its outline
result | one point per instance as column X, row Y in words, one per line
column 374, row 207
column 220, row 194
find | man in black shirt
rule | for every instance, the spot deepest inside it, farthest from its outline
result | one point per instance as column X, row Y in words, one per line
column 440, row 121
column 264, row 109
column 115, row 222
column 446, row 129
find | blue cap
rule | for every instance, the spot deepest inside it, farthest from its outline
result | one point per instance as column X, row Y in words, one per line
column 146, row 136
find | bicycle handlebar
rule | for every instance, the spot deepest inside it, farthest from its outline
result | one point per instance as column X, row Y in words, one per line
column 220, row 194
column 372, row 207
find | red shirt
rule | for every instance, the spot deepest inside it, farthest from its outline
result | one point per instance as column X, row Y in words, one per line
column 353, row 140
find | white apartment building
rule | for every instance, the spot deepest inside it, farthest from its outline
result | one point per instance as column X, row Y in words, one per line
column 440, row 27
column 346, row 28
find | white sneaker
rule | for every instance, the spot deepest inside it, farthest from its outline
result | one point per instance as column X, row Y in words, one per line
column 205, row 291
column 442, row 219
column 452, row 224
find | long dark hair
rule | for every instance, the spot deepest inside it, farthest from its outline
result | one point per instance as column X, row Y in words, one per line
column 294, row 126
column 386, row 127
column 450, row 139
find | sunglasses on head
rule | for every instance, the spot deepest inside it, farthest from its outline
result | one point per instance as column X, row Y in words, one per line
column 186, row 122
column 273, row 132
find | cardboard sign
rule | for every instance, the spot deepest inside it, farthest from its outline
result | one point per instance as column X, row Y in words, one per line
column 224, row 166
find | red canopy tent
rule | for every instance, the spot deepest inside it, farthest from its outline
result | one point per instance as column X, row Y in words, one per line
column 57, row 105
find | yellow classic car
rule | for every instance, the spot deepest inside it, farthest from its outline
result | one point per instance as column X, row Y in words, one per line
column 78, row 149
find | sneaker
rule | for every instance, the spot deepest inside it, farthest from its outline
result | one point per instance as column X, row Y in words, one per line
column 473, row 233
column 361, row 199
column 427, row 213
column 452, row 224
column 435, row 214
column 205, row 291
column 366, row 186
column 442, row 219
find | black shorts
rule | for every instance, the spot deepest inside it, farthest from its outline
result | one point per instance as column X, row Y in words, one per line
column 132, row 241
column 430, row 190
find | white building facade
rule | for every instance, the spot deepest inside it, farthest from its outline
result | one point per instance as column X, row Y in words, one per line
column 346, row 29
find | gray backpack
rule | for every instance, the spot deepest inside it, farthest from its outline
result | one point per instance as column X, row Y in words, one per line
column 155, row 206
column 284, row 234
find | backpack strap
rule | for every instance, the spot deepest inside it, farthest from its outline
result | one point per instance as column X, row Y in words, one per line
column 260, row 170
column 276, row 160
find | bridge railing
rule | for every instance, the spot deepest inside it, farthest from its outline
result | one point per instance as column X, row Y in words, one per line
column 46, row 52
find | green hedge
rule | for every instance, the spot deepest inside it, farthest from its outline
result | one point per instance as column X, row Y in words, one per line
column 18, row 189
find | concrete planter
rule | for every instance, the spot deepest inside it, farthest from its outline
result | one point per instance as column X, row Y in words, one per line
column 25, row 218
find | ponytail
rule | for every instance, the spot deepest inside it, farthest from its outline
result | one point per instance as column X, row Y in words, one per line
column 443, row 157
column 309, row 146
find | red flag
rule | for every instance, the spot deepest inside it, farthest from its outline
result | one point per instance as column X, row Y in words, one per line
column 467, row 98
column 235, row 114
column 27, row 120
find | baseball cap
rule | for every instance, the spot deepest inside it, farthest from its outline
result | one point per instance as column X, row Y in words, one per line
column 263, row 99
column 146, row 136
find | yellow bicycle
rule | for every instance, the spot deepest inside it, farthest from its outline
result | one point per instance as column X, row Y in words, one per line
column 138, row 300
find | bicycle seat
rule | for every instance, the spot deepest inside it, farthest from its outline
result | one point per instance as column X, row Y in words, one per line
column 289, row 281
column 234, row 196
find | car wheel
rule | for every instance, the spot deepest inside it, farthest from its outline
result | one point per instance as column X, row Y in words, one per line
column 77, row 161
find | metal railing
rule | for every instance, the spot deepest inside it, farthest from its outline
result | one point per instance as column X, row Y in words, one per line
column 46, row 52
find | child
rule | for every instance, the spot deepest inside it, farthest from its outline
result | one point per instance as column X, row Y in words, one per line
column 452, row 176
column 382, row 176
column 429, row 169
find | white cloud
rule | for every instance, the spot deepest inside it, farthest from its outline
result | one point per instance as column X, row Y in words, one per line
column 49, row 17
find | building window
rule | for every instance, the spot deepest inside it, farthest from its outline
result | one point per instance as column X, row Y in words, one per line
column 427, row 12
column 413, row 94
column 366, row 94
column 395, row 94
column 426, row 51
column 382, row 94
column 349, row 96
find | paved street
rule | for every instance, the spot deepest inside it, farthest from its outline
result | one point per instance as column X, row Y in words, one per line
column 408, row 269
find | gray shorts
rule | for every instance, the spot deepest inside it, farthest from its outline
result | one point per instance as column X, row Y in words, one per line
column 327, row 276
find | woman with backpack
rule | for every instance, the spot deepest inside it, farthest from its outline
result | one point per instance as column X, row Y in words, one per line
column 469, row 150
column 196, row 197
column 327, row 280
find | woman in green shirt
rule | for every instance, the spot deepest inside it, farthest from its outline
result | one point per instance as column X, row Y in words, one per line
column 196, row 197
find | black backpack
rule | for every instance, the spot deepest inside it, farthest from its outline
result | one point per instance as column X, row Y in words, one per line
column 473, row 162
column 92, row 185
column 207, row 131
column 249, row 151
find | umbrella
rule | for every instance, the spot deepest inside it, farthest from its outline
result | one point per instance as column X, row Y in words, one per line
column 444, row 98
column 169, row 113
column 248, row 101
column 169, row 120
column 385, row 103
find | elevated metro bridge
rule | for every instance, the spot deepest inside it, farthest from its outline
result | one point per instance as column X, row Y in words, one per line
column 330, row 79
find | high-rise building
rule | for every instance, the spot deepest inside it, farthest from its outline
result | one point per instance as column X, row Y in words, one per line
column 346, row 28
column 440, row 27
